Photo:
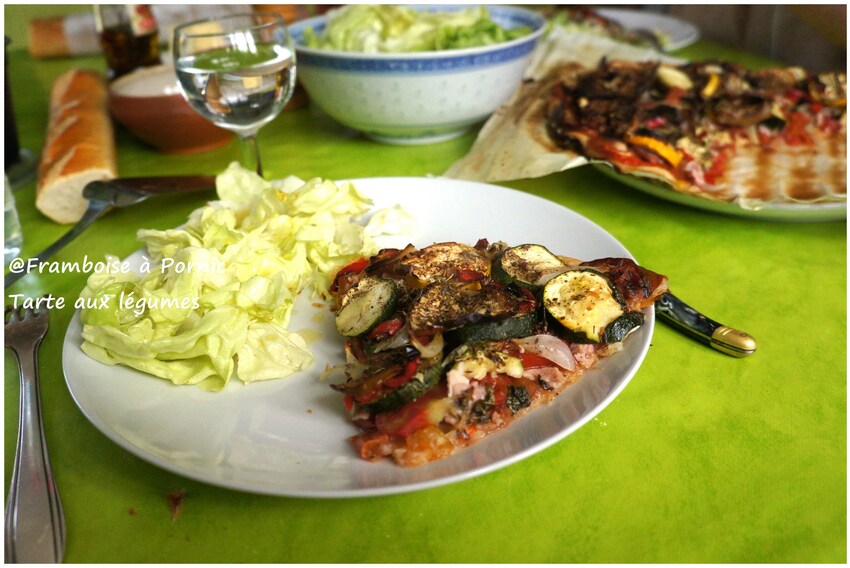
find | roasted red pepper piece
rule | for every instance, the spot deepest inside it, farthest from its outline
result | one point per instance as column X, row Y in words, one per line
column 410, row 417
column 386, row 328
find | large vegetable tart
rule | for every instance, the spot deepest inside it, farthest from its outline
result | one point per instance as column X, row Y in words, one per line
column 709, row 129
column 449, row 343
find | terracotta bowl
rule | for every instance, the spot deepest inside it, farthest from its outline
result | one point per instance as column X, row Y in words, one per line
column 148, row 103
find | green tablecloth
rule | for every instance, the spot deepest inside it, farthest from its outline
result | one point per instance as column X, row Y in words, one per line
column 703, row 458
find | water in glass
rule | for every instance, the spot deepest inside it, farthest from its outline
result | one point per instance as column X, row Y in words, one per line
column 240, row 91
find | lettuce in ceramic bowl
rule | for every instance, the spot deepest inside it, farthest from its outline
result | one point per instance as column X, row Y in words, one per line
column 416, row 97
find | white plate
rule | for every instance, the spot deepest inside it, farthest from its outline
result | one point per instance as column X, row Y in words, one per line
column 677, row 32
column 289, row 436
column 803, row 212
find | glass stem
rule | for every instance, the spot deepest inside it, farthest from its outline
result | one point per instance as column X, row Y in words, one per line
column 251, row 153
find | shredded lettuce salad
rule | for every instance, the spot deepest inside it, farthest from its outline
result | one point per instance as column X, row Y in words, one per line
column 213, row 299
column 372, row 28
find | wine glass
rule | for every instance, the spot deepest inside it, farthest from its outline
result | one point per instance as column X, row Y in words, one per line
column 237, row 71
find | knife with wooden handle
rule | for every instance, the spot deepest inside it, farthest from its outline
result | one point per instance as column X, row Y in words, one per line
column 103, row 196
column 686, row 319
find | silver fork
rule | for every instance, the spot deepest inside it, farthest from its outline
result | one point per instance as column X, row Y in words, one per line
column 35, row 524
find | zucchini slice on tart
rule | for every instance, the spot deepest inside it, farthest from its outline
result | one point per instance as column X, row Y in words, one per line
column 583, row 301
column 526, row 265
column 365, row 305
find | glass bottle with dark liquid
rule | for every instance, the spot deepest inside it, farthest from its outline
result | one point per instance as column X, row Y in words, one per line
column 129, row 37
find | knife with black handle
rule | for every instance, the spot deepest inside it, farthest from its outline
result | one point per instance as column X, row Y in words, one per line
column 684, row 318
column 103, row 196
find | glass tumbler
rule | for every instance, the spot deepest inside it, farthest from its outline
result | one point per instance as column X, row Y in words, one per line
column 13, row 238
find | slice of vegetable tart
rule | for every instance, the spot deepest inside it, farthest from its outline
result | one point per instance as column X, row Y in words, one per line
column 449, row 343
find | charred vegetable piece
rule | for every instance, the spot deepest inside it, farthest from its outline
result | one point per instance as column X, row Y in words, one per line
column 517, row 398
column 618, row 329
column 423, row 381
column 379, row 373
column 525, row 265
column 450, row 305
column 639, row 286
column 584, row 302
column 367, row 304
column 522, row 325
column 388, row 261
column 444, row 261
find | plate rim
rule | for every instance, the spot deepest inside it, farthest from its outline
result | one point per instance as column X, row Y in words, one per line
column 691, row 36
column 75, row 326
column 824, row 211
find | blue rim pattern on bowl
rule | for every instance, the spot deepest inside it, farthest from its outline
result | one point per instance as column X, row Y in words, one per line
column 419, row 65
column 430, row 61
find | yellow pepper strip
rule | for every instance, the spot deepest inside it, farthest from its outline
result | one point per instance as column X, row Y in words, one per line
column 711, row 86
column 666, row 151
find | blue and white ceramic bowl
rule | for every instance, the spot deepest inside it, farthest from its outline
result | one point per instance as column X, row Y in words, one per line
column 422, row 97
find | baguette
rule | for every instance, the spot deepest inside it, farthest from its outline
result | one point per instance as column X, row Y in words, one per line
column 47, row 38
column 79, row 146
column 63, row 36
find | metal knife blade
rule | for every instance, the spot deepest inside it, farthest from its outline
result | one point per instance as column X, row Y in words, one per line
column 105, row 195
column 153, row 185
column 686, row 319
